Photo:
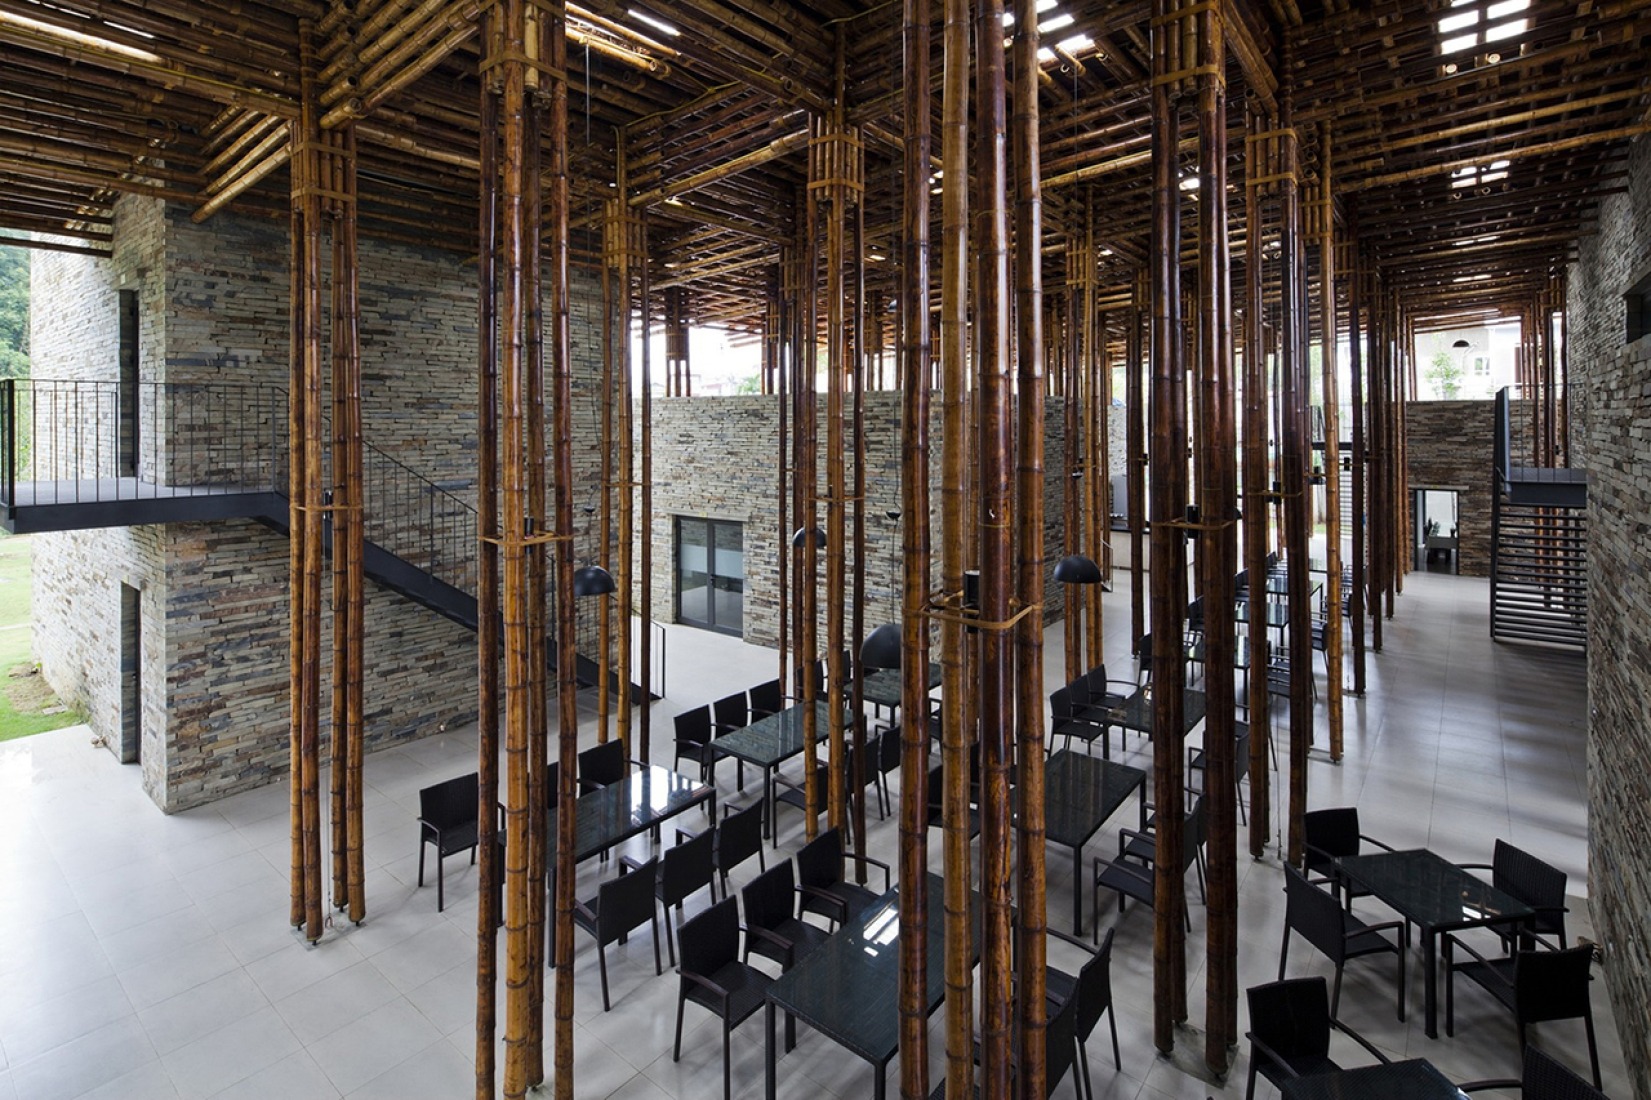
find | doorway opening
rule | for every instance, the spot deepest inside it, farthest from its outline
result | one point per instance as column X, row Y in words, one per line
column 710, row 564
column 1436, row 530
column 128, row 388
column 131, row 675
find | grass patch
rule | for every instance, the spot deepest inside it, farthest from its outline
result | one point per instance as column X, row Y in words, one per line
column 27, row 704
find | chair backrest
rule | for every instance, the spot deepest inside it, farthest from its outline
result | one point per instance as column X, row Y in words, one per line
column 1329, row 834
column 769, row 898
column 1060, row 703
column 1538, row 884
column 1194, row 835
column 1241, row 747
column 1292, row 1017
column 820, row 861
column 603, row 764
column 888, row 750
column 1314, row 914
column 1545, row 1078
column 766, row 698
column 450, row 803
column 553, row 777
column 687, row 867
column 711, row 939
column 1552, row 985
column 626, row 902
column 693, row 727
column 1094, row 993
column 732, row 712
column 1143, row 659
column 1195, row 614
column 1059, row 1042
column 739, row 837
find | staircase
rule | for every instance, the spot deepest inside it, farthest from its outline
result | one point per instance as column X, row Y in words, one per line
column 1539, row 547
column 79, row 455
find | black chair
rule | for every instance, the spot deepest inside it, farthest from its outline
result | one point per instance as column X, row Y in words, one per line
column 601, row 766
column 1319, row 918
column 820, row 878
column 447, row 815
column 1536, row 985
column 1290, row 1025
column 714, row 978
column 1092, row 988
column 772, row 929
column 1058, row 1052
column 1130, row 873
column 731, row 713
column 1543, row 1078
column 766, row 698
column 937, row 806
column 621, row 904
column 693, row 742
column 1197, row 762
column 1069, row 720
column 888, row 762
column 1329, row 835
column 1533, row 881
column 739, row 837
column 683, row 870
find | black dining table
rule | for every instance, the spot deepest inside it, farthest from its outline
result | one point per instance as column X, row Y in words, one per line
column 883, row 689
column 1413, row 1079
column 1135, row 712
column 848, row 988
column 769, row 741
column 1438, row 896
column 1079, row 794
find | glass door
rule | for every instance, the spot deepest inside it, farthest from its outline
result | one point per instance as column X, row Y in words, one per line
column 710, row 570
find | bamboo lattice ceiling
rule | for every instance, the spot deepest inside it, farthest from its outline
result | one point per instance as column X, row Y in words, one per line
column 1471, row 137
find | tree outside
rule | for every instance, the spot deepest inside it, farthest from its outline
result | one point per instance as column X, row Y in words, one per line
column 14, row 312
column 1444, row 374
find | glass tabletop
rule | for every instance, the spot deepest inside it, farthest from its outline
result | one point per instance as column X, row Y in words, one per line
column 1416, row 1079
column 1278, row 612
column 1431, row 890
column 883, row 686
column 848, row 988
column 1080, row 792
column 770, row 740
column 614, row 813
column 1136, row 711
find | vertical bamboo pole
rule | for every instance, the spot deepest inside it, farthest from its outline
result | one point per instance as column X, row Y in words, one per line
column 954, row 749
column 488, row 640
column 297, row 521
column 1093, row 483
column 1376, row 456
column 624, row 249
column 784, row 353
column 1332, row 445
column 1293, row 433
column 515, row 591
column 1218, row 508
column 1030, row 948
column 806, row 469
column 915, row 333
column 827, row 189
column 1073, row 437
column 1258, row 498
column 1169, row 480
column 1355, row 349
column 643, row 262
column 1135, row 468
column 857, row 593
column 604, row 537
column 306, row 397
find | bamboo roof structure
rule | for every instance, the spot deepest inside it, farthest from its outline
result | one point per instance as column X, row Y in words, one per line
column 1472, row 137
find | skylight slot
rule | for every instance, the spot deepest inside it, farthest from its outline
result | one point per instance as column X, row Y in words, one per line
column 1056, row 23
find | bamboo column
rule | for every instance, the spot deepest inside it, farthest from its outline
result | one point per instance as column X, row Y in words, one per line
column 784, row 353
column 604, row 536
column 561, row 394
column 915, row 353
column 1077, row 602
column 1169, row 505
column 305, row 512
column 1218, row 552
column 1355, row 349
column 488, row 639
column 1293, row 322
column 643, row 264
column 954, row 732
column 1325, row 215
column 806, row 493
column 624, row 248
column 1260, row 162
column 1030, row 944
column 1376, row 452
column 857, row 496
column 1136, row 463
column 1096, row 393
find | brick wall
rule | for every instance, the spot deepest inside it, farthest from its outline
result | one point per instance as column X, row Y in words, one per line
column 1449, row 447
column 1610, row 400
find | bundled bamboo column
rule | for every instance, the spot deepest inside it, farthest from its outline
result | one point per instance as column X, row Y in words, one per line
column 857, row 496
column 785, row 347
column 488, row 640
column 1169, row 505
column 954, row 730
column 623, row 246
column 1325, row 215
column 645, row 483
column 349, row 869
column 1218, row 554
column 1296, row 456
column 1078, row 273
column 1097, row 392
column 1030, row 943
column 1260, row 162
column 915, row 335
column 305, row 511
column 1136, row 463
column 1355, row 349
column 805, row 491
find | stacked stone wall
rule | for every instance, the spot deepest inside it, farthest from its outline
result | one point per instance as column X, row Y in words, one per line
column 1610, row 401
column 1449, row 447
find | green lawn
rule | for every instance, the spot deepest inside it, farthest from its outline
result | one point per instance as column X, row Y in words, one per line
column 24, row 696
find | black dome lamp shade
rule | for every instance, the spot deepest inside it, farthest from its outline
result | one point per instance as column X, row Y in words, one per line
column 883, row 648
column 1077, row 569
column 593, row 580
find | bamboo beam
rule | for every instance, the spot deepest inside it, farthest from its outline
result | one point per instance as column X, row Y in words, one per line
column 779, row 147
column 1511, row 152
column 915, row 355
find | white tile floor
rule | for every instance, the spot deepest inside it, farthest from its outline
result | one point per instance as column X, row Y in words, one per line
column 148, row 956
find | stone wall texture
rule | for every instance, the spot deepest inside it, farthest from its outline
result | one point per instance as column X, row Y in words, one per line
column 213, row 304
column 1449, row 447
column 1611, row 409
